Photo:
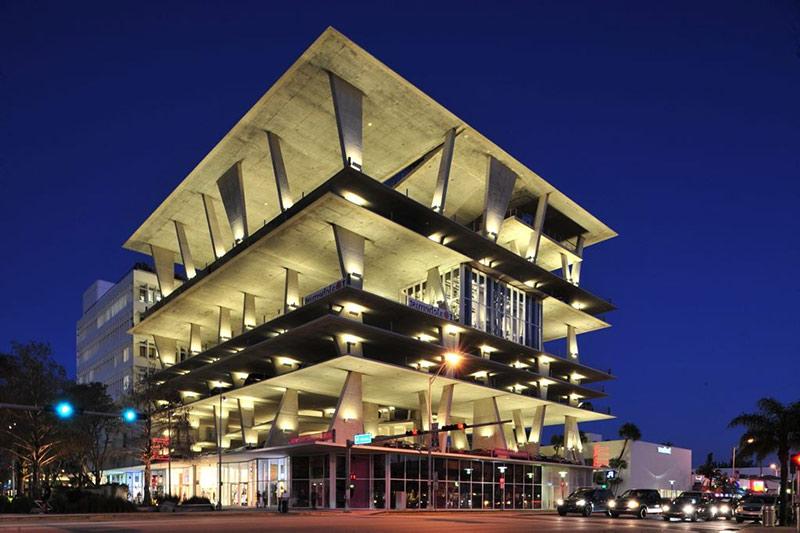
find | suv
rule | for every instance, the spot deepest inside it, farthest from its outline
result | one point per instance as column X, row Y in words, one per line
column 636, row 502
column 585, row 500
column 750, row 507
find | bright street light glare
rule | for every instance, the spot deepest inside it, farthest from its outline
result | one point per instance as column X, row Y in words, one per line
column 64, row 410
column 452, row 358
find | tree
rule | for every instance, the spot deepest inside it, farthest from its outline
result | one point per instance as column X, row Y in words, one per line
column 91, row 437
column 774, row 428
column 628, row 431
column 31, row 377
column 557, row 442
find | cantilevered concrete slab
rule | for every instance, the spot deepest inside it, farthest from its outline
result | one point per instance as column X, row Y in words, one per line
column 401, row 124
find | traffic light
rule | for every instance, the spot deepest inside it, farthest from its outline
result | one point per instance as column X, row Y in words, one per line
column 63, row 410
column 352, row 477
column 453, row 427
column 413, row 432
column 129, row 415
column 796, row 460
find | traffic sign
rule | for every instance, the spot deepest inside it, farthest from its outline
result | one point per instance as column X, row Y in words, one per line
column 362, row 438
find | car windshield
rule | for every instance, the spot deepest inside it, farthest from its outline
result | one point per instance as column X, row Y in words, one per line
column 760, row 499
column 632, row 493
column 581, row 493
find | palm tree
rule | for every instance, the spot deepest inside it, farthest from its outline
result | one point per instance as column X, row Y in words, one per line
column 628, row 431
column 774, row 428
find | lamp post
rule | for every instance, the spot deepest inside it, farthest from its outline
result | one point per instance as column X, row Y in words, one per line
column 750, row 440
column 219, row 450
column 452, row 359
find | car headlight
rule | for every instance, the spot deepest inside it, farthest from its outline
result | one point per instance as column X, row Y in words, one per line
column 633, row 504
column 580, row 503
column 665, row 508
column 714, row 509
column 724, row 508
column 612, row 503
column 559, row 502
column 688, row 509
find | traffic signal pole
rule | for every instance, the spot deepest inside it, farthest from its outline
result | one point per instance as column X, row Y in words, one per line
column 20, row 407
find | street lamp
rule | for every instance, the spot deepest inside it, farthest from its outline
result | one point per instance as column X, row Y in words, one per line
column 219, row 449
column 452, row 360
column 774, row 468
column 750, row 440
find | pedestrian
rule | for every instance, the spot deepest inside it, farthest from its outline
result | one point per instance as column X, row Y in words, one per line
column 259, row 499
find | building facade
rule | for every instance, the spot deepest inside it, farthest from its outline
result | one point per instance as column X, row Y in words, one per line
column 106, row 351
column 361, row 261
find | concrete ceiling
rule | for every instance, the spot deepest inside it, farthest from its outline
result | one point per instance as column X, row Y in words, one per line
column 390, row 385
column 400, row 124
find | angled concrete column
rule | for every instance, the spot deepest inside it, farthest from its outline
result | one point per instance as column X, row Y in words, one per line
column 423, row 399
column 285, row 424
column 165, row 269
column 519, row 429
column 237, row 378
column 291, row 291
column 247, row 419
column 350, row 249
column 458, row 438
column 167, row 350
column 279, row 170
column 443, row 413
column 248, row 312
column 186, row 253
column 348, row 418
column 443, row 178
column 434, row 288
column 566, row 272
column 213, row 226
column 572, row 342
column 450, row 337
column 538, row 224
column 508, row 435
column 573, row 447
column 487, row 437
column 231, row 190
column 499, row 187
column 224, row 331
column 535, row 437
column 348, row 345
column 195, row 340
column 576, row 266
column 347, row 104
column 371, row 420
column 221, row 425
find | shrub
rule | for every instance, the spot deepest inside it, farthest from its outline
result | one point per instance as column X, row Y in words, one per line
column 78, row 501
column 19, row 505
column 196, row 500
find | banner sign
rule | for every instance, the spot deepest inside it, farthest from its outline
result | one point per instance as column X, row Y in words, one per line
column 434, row 310
column 312, row 437
column 323, row 292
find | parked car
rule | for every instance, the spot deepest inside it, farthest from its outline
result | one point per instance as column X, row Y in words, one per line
column 636, row 502
column 751, row 506
column 585, row 501
column 690, row 505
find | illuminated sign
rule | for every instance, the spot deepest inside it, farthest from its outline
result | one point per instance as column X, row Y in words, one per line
column 665, row 449
column 362, row 438
column 323, row 292
column 434, row 310
column 313, row 437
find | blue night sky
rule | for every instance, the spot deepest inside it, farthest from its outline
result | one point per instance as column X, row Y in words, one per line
column 677, row 123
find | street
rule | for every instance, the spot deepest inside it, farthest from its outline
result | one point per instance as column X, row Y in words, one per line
column 334, row 522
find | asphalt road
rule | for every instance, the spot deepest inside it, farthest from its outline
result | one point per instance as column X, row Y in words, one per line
column 337, row 522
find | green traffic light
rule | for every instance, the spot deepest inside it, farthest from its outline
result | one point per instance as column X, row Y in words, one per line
column 64, row 410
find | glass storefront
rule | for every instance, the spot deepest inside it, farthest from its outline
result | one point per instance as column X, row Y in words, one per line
column 460, row 483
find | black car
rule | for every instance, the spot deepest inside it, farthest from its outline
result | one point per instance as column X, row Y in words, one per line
column 690, row 505
column 636, row 502
column 585, row 501
column 751, row 506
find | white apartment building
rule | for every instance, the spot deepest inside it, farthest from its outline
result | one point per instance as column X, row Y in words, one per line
column 106, row 352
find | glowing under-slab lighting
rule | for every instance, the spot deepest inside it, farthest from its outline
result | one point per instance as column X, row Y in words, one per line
column 354, row 198
column 426, row 338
